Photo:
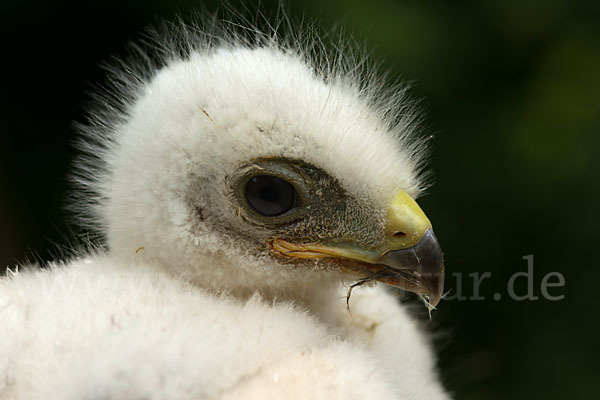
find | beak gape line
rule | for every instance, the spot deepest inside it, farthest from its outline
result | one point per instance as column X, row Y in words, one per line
column 412, row 261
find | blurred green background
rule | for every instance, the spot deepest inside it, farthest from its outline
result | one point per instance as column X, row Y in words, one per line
column 512, row 92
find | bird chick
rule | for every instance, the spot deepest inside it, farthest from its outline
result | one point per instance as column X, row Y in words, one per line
column 238, row 183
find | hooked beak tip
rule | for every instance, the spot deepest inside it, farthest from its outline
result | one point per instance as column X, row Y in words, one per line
column 424, row 261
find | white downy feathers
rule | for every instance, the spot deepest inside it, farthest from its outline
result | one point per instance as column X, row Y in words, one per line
column 182, row 304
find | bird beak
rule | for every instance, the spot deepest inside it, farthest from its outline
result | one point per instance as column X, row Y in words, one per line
column 409, row 258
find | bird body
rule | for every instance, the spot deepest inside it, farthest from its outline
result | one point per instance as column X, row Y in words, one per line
column 97, row 329
column 238, row 187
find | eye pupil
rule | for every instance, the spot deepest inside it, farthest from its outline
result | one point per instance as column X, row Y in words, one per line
column 269, row 195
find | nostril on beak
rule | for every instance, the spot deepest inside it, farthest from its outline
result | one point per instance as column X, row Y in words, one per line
column 399, row 234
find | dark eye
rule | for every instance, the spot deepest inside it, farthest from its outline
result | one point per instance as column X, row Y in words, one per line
column 269, row 195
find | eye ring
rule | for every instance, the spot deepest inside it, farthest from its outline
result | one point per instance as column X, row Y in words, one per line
column 270, row 195
column 280, row 169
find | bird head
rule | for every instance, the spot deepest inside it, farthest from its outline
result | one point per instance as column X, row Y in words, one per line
column 251, row 166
